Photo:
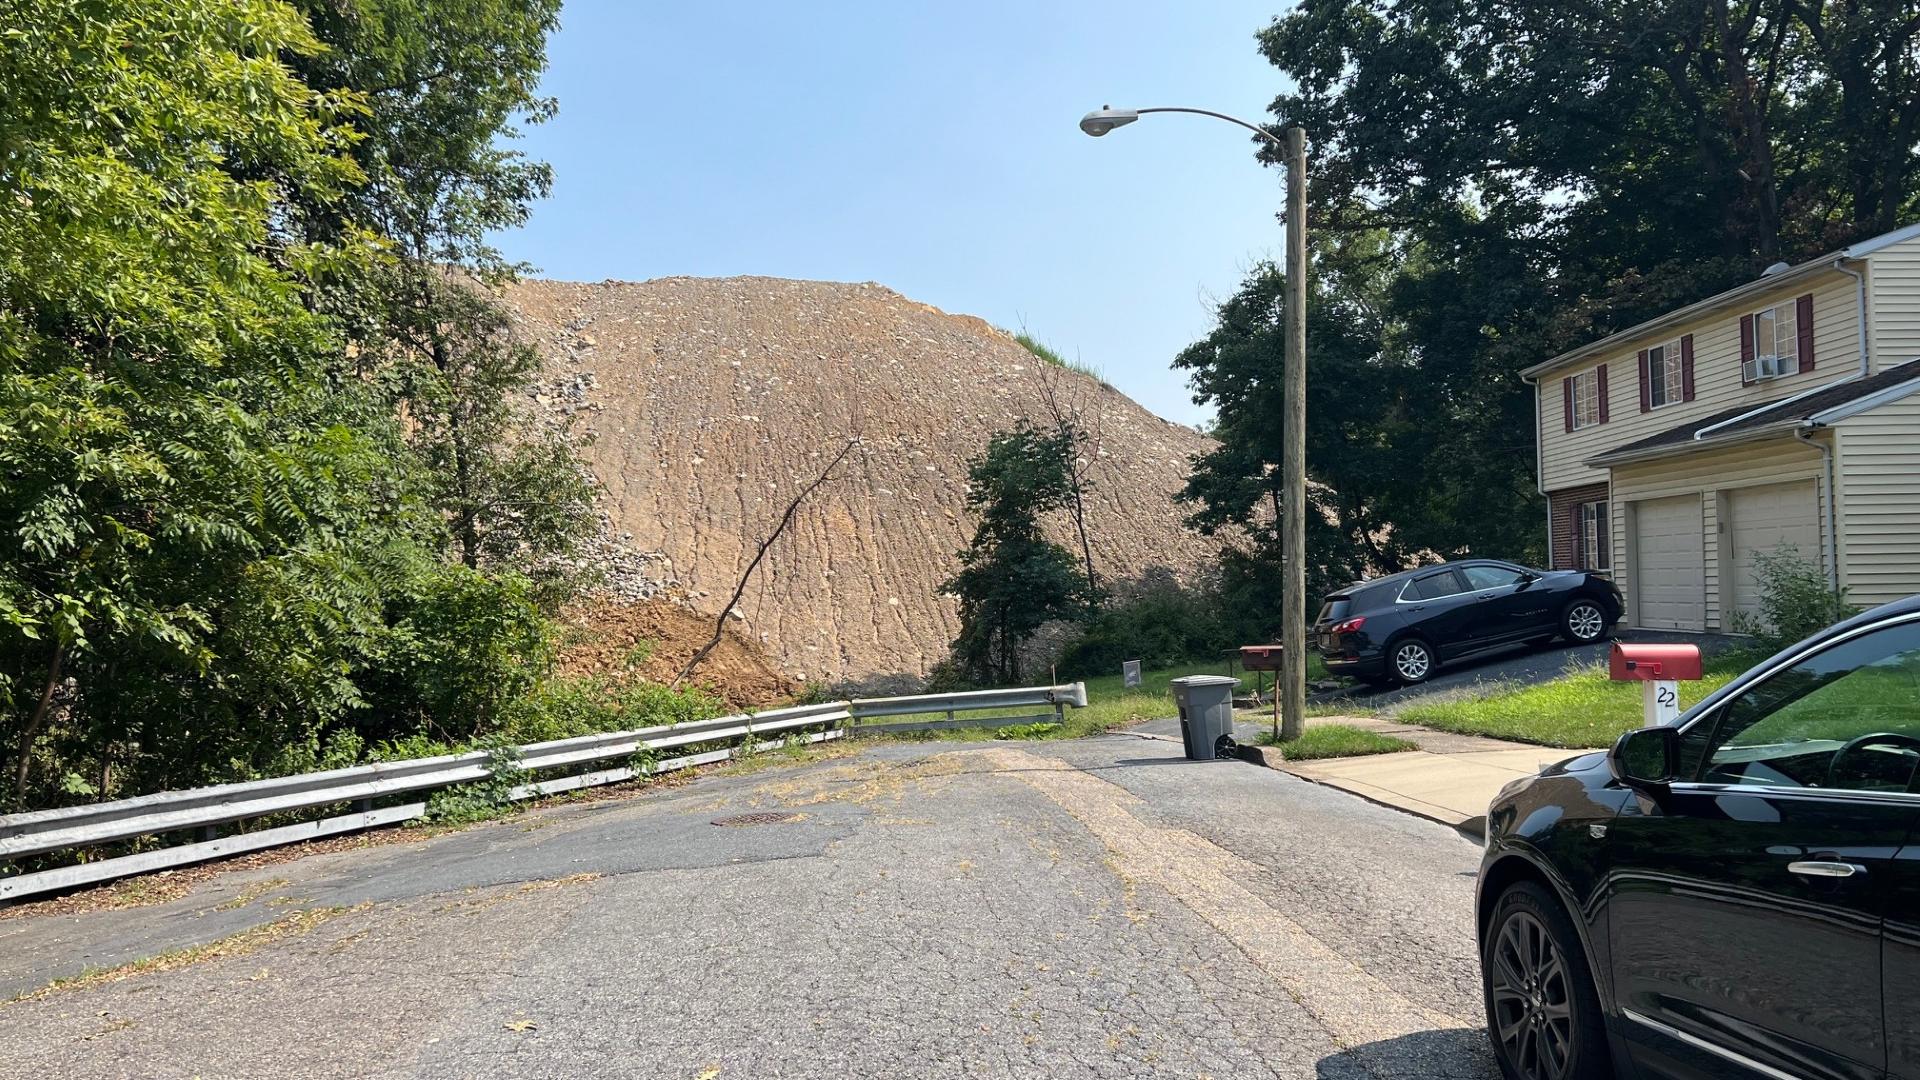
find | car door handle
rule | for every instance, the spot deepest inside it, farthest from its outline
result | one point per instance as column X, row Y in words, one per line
column 1827, row 868
column 1486, row 596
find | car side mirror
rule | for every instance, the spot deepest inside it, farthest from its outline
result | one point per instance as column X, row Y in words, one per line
column 1646, row 758
column 1528, row 577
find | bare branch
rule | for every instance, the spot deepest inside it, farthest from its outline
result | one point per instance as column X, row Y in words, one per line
column 720, row 621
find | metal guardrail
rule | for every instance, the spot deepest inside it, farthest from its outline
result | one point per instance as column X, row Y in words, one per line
column 40, row 832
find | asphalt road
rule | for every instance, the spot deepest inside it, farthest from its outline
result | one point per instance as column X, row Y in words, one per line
column 1089, row 909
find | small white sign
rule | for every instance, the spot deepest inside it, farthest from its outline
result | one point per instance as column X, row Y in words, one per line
column 1130, row 672
column 1662, row 697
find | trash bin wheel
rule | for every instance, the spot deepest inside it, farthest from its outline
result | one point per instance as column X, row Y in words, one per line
column 1225, row 747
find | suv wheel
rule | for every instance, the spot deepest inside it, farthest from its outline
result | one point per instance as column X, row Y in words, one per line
column 1411, row 661
column 1584, row 622
column 1542, row 1014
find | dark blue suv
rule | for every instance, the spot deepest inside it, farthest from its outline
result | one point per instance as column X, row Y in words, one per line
column 1400, row 628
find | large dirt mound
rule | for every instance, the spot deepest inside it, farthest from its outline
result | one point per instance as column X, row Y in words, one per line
column 712, row 401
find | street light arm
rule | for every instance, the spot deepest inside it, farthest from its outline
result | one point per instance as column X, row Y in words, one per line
column 1278, row 143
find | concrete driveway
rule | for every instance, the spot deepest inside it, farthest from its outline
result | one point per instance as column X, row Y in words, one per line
column 1515, row 664
column 1090, row 909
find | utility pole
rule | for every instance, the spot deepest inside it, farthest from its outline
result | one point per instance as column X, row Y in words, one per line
column 1290, row 690
column 1291, row 696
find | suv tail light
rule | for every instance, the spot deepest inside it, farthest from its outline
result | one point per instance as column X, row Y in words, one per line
column 1351, row 626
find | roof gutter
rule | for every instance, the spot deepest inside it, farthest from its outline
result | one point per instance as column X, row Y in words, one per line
column 1688, row 446
column 1772, row 405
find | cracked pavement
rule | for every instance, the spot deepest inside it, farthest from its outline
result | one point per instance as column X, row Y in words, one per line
column 1099, row 908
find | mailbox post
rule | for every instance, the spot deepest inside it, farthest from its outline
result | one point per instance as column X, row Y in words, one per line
column 1266, row 658
column 1659, row 669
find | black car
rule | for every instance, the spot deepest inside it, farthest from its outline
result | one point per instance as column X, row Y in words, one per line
column 1400, row 628
column 1736, row 894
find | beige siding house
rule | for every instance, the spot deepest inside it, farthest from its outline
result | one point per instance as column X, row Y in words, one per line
column 1783, row 413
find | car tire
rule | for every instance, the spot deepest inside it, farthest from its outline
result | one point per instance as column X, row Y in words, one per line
column 1584, row 622
column 1543, row 1016
column 1410, row 661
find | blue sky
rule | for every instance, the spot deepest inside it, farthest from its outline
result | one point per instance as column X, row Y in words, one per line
column 928, row 147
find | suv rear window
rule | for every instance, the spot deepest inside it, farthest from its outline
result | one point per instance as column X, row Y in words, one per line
column 1334, row 609
column 1433, row 586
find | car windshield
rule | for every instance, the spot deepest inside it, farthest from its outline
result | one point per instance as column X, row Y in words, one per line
column 1335, row 609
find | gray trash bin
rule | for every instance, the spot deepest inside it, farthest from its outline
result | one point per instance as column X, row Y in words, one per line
column 1206, row 713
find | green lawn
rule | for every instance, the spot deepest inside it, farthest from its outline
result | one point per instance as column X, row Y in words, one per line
column 1581, row 710
column 1336, row 741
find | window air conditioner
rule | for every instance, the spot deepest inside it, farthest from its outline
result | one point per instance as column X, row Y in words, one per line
column 1764, row 367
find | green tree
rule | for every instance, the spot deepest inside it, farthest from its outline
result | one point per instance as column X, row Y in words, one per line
column 169, row 477
column 1492, row 183
column 1012, row 579
column 218, row 543
column 448, row 83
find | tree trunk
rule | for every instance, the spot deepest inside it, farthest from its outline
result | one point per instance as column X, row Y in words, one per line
column 23, row 764
column 1747, row 115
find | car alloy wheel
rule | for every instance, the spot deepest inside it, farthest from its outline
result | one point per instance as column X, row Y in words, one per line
column 1585, row 622
column 1412, row 661
column 1532, row 999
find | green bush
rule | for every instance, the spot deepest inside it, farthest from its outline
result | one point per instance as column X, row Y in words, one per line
column 1796, row 600
column 1161, row 624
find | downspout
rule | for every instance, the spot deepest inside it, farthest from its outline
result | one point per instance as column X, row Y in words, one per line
column 1860, row 320
column 1833, row 517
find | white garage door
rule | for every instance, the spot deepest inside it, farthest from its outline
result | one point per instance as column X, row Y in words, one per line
column 1669, row 570
column 1763, row 520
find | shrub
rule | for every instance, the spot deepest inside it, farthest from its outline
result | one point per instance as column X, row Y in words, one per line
column 1161, row 625
column 1796, row 600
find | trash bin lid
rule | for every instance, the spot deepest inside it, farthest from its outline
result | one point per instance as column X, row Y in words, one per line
column 1205, row 680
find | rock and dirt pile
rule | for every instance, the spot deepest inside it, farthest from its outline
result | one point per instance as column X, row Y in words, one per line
column 653, row 639
column 711, row 402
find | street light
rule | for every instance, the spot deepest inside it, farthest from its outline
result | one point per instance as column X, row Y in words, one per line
column 1291, row 699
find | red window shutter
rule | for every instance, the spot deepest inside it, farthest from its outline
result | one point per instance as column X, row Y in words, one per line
column 1600, row 384
column 1746, row 346
column 1566, row 393
column 1646, row 391
column 1803, row 322
column 1686, row 368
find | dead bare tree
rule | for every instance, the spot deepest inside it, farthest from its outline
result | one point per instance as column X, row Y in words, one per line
column 1069, row 414
column 746, row 576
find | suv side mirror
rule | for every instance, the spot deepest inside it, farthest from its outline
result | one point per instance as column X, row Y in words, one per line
column 1646, row 758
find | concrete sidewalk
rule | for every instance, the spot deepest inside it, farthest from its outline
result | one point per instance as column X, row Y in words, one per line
column 1450, row 778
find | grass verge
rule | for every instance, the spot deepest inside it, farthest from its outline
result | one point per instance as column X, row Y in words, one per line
column 1582, row 710
column 1336, row 741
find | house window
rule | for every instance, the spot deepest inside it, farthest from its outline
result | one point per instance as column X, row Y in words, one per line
column 1591, row 534
column 1586, row 399
column 1776, row 343
column 1665, row 381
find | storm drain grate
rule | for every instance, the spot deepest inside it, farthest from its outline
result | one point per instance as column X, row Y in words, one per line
column 757, row 819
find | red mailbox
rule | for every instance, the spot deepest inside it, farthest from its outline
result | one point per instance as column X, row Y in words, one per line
column 1654, row 663
column 1260, row 657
